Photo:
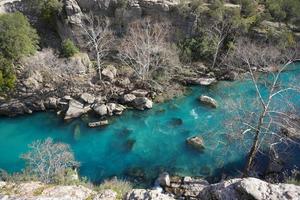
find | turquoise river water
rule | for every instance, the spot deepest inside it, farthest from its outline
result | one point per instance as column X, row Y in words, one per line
column 148, row 142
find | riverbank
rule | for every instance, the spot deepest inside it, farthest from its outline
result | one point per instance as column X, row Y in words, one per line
column 188, row 188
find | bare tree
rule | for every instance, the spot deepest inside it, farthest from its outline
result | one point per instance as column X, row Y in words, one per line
column 146, row 49
column 99, row 37
column 269, row 121
column 48, row 160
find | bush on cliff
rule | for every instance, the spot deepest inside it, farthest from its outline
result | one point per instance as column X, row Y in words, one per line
column 7, row 75
column 17, row 37
column 47, row 9
column 68, row 48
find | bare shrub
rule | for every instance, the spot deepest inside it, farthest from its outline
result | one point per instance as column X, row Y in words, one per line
column 48, row 161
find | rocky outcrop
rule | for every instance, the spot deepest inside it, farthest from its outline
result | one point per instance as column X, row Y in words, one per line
column 40, row 191
column 109, row 72
column 142, row 194
column 208, row 101
column 179, row 188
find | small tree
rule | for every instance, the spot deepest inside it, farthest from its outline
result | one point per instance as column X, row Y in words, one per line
column 99, row 37
column 48, row 160
column 47, row 9
column 145, row 48
column 68, row 48
column 17, row 37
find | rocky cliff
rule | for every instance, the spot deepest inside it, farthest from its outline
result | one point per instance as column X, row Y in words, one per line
column 235, row 189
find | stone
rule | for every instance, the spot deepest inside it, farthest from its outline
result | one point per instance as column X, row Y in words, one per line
column 100, row 109
column 106, row 195
column 164, row 179
column 51, row 103
column 111, row 108
column 76, row 109
column 140, row 93
column 123, row 82
column 142, row 103
column 109, row 72
column 142, row 194
column 128, row 98
column 208, row 101
column 200, row 81
column 98, row 124
column 13, row 108
column 87, row 98
column 196, row 142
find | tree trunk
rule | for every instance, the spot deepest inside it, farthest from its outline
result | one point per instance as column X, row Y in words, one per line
column 99, row 67
column 254, row 147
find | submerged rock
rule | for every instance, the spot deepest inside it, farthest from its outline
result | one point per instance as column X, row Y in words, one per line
column 196, row 142
column 208, row 101
column 176, row 122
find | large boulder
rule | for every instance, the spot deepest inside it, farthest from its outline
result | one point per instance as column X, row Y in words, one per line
column 128, row 98
column 142, row 103
column 100, row 109
column 208, row 101
column 196, row 142
column 76, row 109
column 200, row 81
column 87, row 98
column 250, row 188
column 51, row 103
column 140, row 93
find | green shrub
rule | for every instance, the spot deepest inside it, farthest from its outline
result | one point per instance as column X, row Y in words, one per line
column 17, row 37
column 48, row 9
column 7, row 75
column 249, row 8
column 68, row 48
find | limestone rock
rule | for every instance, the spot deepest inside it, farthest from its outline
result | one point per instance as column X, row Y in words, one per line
column 128, row 98
column 164, row 179
column 200, row 81
column 208, row 101
column 87, row 98
column 51, row 103
column 142, row 194
column 142, row 103
column 140, row 93
column 196, row 142
column 13, row 108
column 100, row 109
column 76, row 109
column 106, row 195
column 109, row 72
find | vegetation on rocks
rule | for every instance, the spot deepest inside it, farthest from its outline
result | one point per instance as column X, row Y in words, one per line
column 68, row 48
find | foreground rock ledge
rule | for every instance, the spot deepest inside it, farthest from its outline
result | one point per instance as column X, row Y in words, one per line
column 187, row 188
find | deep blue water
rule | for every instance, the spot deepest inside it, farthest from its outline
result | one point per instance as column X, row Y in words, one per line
column 149, row 141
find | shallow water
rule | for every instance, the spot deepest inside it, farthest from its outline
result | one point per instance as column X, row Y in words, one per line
column 145, row 143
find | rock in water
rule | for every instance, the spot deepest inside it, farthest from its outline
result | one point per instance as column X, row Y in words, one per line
column 128, row 98
column 196, row 142
column 98, row 124
column 208, row 101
